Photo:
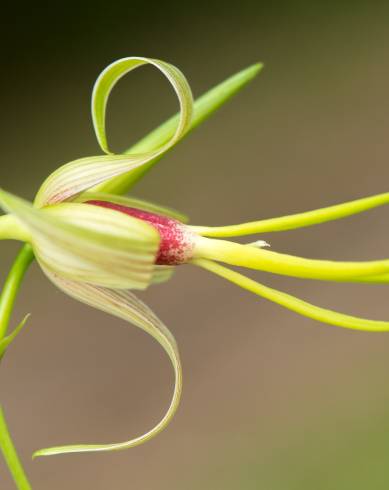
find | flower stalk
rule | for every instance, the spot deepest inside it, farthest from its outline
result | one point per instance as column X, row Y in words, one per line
column 11, row 287
column 11, row 456
column 7, row 300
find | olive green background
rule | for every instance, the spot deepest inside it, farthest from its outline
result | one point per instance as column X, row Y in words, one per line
column 271, row 400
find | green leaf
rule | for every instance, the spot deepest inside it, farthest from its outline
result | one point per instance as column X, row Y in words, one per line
column 90, row 243
column 78, row 176
column 6, row 341
column 294, row 304
column 204, row 107
column 124, row 305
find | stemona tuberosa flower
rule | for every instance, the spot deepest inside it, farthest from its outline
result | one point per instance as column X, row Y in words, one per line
column 96, row 245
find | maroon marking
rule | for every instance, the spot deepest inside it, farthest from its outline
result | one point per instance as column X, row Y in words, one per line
column 177, row 243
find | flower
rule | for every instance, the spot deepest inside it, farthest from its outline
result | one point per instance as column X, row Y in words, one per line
column 97, row 245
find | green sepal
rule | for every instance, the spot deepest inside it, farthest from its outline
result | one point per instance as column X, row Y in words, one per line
column 124, row 305
column 89, row 243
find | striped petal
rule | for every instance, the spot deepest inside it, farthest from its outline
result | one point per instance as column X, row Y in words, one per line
column 128, row 307
column 83, row 242
column 78, row 176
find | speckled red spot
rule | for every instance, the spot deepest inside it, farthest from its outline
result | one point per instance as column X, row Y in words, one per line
column 177, row 243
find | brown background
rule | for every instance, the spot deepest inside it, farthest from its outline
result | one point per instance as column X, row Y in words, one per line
column 271, row 400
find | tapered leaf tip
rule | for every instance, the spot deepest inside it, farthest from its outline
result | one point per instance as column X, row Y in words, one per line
column 243, row 77
column 252, row 71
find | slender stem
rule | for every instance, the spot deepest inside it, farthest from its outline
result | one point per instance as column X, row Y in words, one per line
column 7, row 301
column 12, row 285
column 11, row 457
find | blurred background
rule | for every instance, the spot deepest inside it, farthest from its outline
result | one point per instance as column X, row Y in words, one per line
column 271, row 400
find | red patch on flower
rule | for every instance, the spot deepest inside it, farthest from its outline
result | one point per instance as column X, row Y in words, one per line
column 176, row 245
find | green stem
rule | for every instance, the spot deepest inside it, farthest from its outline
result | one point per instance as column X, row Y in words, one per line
column 7, row 301
column 12, row 285
column 11, row 457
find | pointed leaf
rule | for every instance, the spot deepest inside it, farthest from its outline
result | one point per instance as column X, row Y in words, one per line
column 6, row 341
